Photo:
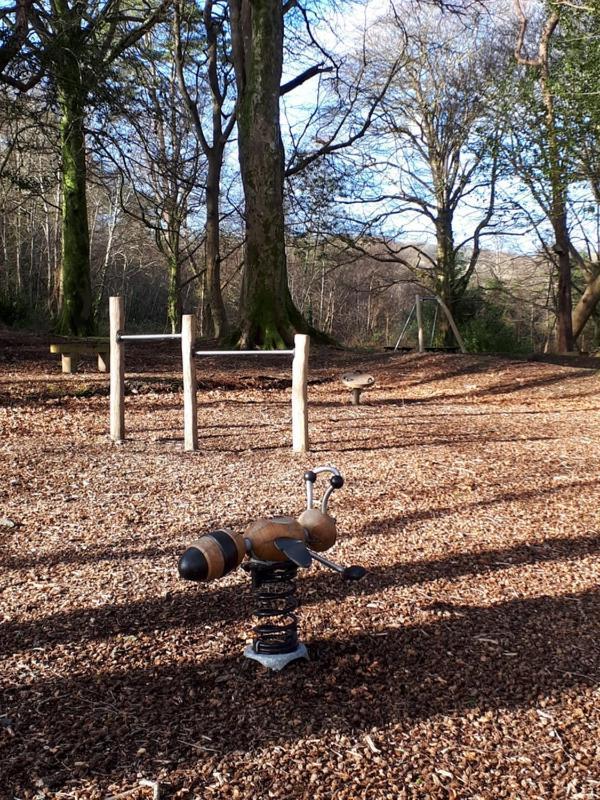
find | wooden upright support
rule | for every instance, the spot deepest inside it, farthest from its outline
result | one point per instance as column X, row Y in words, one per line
column 117, row 370
column 103, row 359
column 190, row 413
column 67, row 362
column 300, row 442
column 452, row 323
column 420, row 333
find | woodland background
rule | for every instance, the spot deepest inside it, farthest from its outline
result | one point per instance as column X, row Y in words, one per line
column 447, row 149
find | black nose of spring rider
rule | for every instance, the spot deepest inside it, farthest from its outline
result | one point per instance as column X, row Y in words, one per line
column 274, row 548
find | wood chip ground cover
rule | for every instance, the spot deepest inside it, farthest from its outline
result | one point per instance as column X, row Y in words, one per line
column 465, row 665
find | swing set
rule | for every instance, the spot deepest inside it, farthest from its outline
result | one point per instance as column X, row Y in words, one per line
column 417, row 311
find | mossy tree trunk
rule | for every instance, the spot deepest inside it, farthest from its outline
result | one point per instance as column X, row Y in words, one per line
column 76, row 313
column 171, row 248
column 76, row 310
column 268, row 317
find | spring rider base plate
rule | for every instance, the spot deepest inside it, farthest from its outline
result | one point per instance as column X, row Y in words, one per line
column 279, row 660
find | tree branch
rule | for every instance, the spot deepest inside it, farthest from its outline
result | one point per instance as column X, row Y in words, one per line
column 317, row 69
column 11, row 46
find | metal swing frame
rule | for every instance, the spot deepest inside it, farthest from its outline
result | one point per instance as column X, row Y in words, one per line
column 417, row 310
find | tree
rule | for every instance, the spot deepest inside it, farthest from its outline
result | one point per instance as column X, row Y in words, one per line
column 152, row 144
column 75, row 45
column 555, row 145
column 216, row 83
column 29, row 211
column 554, row 152
column 576, row 84
column 15, row 22
column 433, row 152
column 268, row 316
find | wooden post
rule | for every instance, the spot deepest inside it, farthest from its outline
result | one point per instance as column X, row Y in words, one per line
column 102, row 361
column 190, row 412
column 67, row 362
column 300, row 441
column 450, row 319
column 117, row 370
column 420, row 323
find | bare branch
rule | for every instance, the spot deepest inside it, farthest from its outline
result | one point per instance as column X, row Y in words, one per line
column 311, row 72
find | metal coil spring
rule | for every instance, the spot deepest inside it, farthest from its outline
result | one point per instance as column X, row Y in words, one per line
column 274, row 590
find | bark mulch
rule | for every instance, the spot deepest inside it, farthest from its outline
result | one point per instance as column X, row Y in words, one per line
column 465, row 665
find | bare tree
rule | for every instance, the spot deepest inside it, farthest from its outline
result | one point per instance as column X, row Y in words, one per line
column 202, row 74
column 556, row 159
column 154, row 147
column 434, row 150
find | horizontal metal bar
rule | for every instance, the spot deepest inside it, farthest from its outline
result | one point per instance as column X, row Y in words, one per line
column 147, row 337
column 244, row 352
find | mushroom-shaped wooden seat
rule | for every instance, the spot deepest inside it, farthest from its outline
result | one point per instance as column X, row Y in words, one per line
column 358, row 382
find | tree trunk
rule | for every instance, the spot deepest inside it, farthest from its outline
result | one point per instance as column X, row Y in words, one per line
column 76, row 316
column 206, row 327
column 445, row 278
column 213, row 247
column 18, row 245
column 587, row 302
column 558, row 217
column 213, row 314
column 268, row 316
column 54, row 299
column 564, row 329
column 174, row 309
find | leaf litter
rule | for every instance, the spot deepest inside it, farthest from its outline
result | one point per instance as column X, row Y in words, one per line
column 465, row 665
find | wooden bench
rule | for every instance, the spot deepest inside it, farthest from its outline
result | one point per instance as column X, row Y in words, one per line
column 71, row 349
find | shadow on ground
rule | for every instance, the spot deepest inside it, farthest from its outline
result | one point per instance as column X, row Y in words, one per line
column 116, row 722
column 201, row 605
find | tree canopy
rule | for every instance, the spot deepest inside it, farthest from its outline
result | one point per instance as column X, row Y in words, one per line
column 275, row 158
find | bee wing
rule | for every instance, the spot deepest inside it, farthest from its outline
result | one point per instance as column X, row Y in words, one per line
column 294, row 550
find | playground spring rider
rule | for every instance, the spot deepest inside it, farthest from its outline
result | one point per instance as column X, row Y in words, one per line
column 275, row 547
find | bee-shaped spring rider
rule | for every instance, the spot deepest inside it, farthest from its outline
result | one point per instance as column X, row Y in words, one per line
column 274, row 548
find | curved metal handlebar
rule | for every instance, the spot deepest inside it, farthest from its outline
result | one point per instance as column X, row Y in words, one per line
column 335, row 482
